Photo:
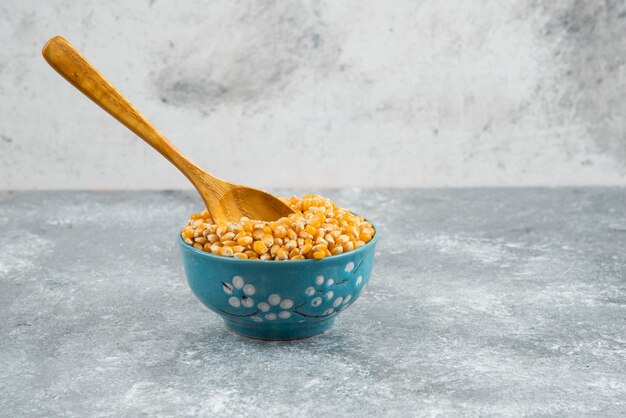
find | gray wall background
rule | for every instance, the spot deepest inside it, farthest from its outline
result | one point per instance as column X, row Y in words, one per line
column 321, row 93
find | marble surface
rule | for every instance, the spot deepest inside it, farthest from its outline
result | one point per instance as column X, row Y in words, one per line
column 482, row 302
column 372, row 93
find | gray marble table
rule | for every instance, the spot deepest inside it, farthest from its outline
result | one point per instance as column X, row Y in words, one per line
column 482, row 302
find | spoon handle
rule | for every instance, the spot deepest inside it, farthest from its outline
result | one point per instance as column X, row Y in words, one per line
column 67, row 61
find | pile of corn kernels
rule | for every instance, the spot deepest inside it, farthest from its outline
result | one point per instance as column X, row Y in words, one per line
column 317, row 229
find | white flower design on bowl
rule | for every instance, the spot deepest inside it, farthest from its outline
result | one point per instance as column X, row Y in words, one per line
column 325, row 297
column 274, row 308
column 328, row 291
column 240, row 292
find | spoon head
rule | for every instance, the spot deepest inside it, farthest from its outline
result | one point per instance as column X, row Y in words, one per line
column 255, row 204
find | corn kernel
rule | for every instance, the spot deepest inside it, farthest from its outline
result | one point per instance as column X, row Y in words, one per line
column 226, row 251
column 245, row 240
column 268, row 240
column 228, row 236
column 306, row 248
column 280, row 231
column 238, row 248
column 319, row 254
column 319, row 247
column 259, row 247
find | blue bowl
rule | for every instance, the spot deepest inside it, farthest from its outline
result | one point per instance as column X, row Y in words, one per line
column 278, row 300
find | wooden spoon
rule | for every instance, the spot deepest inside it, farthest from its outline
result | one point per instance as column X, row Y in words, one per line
column 225, row 201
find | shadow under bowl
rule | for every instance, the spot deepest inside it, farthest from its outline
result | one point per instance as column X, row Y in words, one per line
column 278, row 300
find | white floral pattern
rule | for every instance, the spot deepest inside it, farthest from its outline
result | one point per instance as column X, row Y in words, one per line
column 275, row 308
column 325, row 294
column 240, row 292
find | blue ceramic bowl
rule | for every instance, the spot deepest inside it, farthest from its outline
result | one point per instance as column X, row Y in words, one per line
column 278, row 300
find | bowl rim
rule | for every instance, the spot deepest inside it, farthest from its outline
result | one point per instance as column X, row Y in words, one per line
column 222, row 258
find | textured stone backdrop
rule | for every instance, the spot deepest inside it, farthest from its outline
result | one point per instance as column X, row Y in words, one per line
column 321, row 93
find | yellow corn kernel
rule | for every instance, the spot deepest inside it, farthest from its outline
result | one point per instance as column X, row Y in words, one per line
column 268, row 240
column 188, row 233
column 238, row 248
column 321, row 240
column 348, row 246
column 274, row 225
column 280, row 231
column 310, row 229
column 215, row 248
column 197, row 246
column 319, row 247
column 229, row 243
column 250, row 253
column 200, row 240
column 228, row 236
column 336, row 250
column 306, row 248
column 319, row 254
column 343, row 239
column 221, row 229
column 259, row 247
column 207, row 247
column 282, row 255
column 293, row 252
column 279, row 241
column 292, row 234
column 298, row 257
column 274, row 249
column 265, row 256
column 226, row 251
column 245, row 240
column 257, row 234
column 212, row 238
column 240, row 255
